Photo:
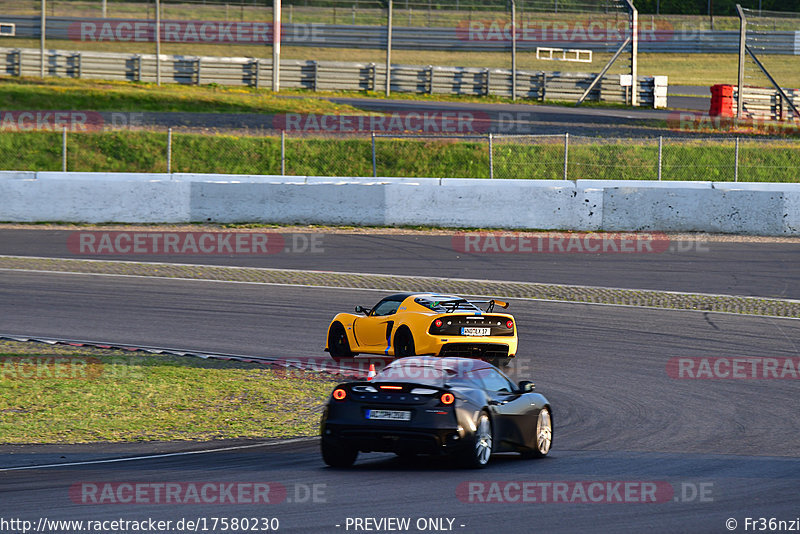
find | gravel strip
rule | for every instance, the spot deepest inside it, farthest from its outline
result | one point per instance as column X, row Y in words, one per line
column 500, row 289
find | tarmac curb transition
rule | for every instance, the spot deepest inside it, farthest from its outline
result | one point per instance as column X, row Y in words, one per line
column 761, row 306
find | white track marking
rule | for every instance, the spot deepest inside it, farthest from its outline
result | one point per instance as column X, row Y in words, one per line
column 523, row 299
column 376, row 275
column 151, row 456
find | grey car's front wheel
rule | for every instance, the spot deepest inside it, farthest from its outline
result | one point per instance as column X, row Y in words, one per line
column 544, row 434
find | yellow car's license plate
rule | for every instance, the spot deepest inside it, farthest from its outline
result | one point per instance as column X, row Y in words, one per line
column 475, row 331
column 389, row 415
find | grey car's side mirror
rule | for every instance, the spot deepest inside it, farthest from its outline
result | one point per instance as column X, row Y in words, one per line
column 526, row 386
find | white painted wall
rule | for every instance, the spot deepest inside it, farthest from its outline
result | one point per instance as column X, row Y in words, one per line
column 742, row 208
column 94, row 200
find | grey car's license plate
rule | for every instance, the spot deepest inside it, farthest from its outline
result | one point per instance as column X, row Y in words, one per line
column 389, row 415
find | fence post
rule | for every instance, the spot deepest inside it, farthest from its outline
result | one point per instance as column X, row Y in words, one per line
column 158, row 42
column 491, row 157
column 513, row 50
column 660, row 148
column 736, row 162
column 635, row 56
column 42, row 39
column 374, row 159
column 566, row 153
column 389, row 50
column 742, row 49
column 169, row 150
column 276, row 44
column 64, row 149
column 283, row 152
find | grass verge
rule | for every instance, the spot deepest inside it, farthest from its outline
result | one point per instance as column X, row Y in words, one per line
column 31, row 94
column 98, row 95
column 142, row 151
column 79, row 395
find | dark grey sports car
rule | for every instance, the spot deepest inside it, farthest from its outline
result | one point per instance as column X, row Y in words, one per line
column 431, row 405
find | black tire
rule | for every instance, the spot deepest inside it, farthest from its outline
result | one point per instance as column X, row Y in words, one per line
column 406, row 455
column 403, row 344
column 337, row 454
column 544, row 435
column 500, row 363
column 479, row 452
column 338, row 345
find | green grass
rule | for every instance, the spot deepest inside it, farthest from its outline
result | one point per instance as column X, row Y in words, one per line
column 72, row 395
column 94, row 95
column 638, row 160
column 705, row 159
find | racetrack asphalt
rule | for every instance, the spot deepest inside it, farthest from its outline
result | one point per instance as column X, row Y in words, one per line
column 727, row 448
column 713, row 265
column 512, row 118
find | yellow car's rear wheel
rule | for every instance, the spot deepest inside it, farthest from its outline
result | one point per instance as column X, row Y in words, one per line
column 404, row 344
column 500, row 362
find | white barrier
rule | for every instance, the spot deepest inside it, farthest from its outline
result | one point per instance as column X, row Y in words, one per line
column 98, row 199
column 742, row 208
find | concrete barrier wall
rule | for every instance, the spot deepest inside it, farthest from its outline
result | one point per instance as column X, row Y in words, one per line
column 93, row 200
column 589, row 205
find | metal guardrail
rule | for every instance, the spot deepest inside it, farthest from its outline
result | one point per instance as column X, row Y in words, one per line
column 329, row 75
column 450, row 38
column 767, row 104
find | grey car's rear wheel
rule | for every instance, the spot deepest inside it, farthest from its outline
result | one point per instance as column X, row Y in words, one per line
column 479, row 453
column 337, row 454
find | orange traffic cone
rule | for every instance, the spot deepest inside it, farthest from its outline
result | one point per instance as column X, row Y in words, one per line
column 372, row 372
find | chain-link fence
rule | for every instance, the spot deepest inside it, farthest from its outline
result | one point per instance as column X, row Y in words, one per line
column 546, row 157
column 321, row 29
column 423, row 13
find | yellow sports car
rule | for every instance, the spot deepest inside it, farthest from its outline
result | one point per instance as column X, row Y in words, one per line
column 416, row 324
